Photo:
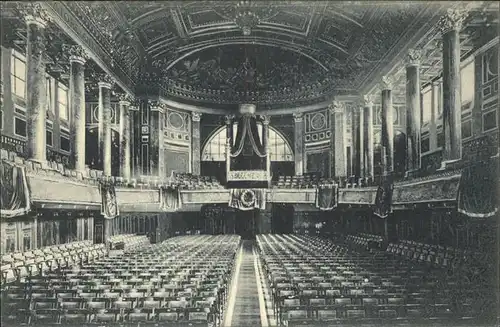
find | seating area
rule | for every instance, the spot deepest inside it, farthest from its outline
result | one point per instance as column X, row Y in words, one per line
column 181, row 282
column 315, row 281
column 188, row 181
column 435, row 255
column 301, row 181
column 128, row 242
column 23, row 265
column 93, row 177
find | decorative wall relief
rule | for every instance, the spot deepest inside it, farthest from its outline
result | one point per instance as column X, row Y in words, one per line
column 317, row 126
column 177, row 127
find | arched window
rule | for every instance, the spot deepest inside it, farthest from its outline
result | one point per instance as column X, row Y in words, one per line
column 215, row 148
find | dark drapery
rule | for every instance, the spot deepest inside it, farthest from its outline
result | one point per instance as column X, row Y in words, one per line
column 478, row 188
column 248, row 152
column 248, row 199
column 169, row 198
column 15, row 198
column 248, row 133
column 383, row 199
column 326, row 197
column 109, row 205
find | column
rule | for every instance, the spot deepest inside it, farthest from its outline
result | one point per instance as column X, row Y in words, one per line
column 161, row 143
column 36, row 93
column 265, row 136
column 450, row 25
column 228, row 119
column 337, row 143
column 299, row 143
column 413, row 119
column 387, row 126
column 105, row 123
column 125, row 157
column 77, row 61
column 368, row 136
column 357, row 142
column 434, row 116
column 195, row 143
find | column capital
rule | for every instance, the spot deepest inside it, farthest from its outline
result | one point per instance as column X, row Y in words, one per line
column 413, row 57
column 76, row 53
column 368, row 100
column 156, row 105
column 336, row 107
column 106, row 81
column 265, row 120
column 228, row 119
column 298, row 117
column 125, row 99
column 452, row 20
column 33, row 13
column 195, row 116
column 387, row 83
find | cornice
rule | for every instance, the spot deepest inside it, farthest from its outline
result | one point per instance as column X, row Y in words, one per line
column 399, row 50
column 67, row 21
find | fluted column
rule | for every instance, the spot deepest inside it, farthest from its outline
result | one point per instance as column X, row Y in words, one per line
column 357, row 141
column 299, row 143
column 125, row 157
column 36, row 93
column 195, row 143
column 434, row 116
column 387, row 126
column 368, row 136
column 413, row 119
column 265, row 142
column 105, row 123
column 337, row 159
column 450, row 26
column 77, row 60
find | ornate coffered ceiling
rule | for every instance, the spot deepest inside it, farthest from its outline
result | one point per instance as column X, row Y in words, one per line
column 220, row 53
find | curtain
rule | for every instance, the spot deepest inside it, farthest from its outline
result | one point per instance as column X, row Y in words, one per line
column 248, row 199
column 383, row 199
column 326, row 197
column 169, row 198
column 478, row 189
column 248, row 132
column 15, row 198
column 109, row 205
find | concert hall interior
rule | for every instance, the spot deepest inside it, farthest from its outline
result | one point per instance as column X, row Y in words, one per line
column 249, row 163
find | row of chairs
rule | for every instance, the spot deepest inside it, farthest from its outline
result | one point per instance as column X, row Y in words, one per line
column 21, row 265
column 181, row 281
column 318, row 282
column 128, row 241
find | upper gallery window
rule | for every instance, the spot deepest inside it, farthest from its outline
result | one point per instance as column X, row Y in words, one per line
column 426, row 105
column 62, row 101
column 467, row 81
column 215, row 148
column 18, row 77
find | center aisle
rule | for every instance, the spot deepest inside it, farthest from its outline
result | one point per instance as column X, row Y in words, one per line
column 246, row 310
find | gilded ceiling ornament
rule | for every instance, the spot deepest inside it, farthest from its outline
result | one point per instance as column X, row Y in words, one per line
column 452, row 20
column 336, row 107
column 195, row 116
column 413, row 57
column 33, row 13
column 387, row 83
column 298, row 117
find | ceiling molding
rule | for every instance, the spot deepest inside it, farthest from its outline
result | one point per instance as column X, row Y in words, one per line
column 64, row 18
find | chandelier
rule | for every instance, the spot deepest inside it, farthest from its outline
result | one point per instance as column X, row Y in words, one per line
column 247, row 16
